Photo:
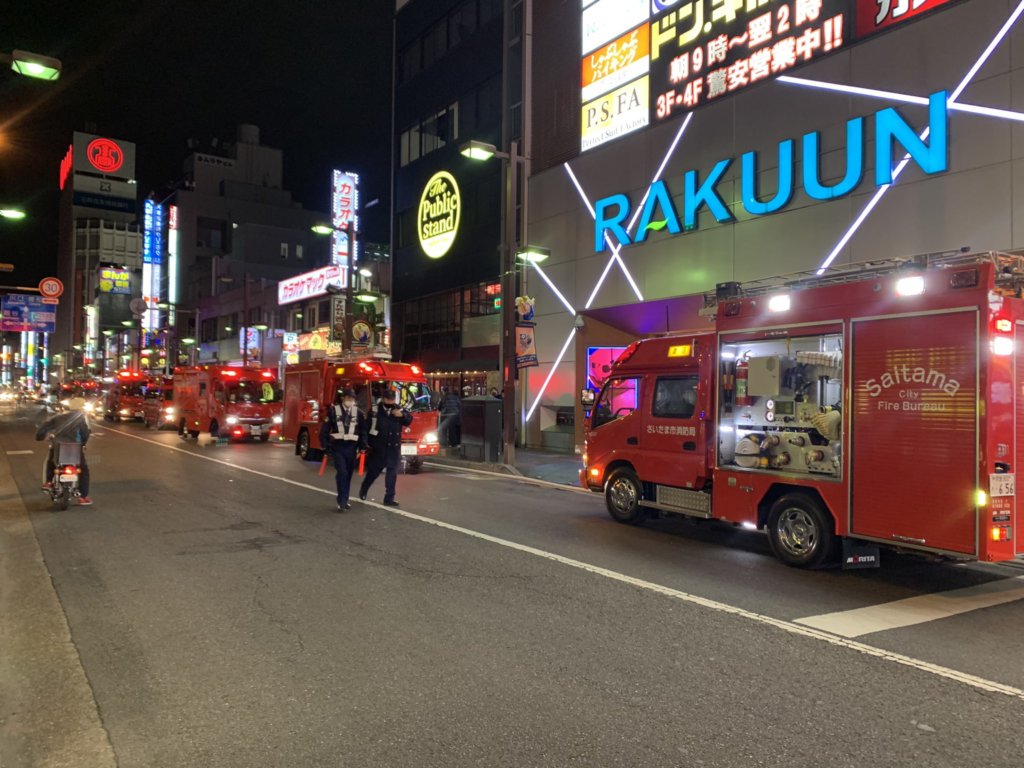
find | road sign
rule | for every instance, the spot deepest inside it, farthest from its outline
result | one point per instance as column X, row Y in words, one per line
column 51, row 287
column 24, row 312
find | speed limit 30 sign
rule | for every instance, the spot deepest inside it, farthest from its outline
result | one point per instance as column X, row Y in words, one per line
column 51, row 287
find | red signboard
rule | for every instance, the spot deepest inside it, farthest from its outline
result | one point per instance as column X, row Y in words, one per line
column 876, row 15
column 105, row 155
column 51, row 287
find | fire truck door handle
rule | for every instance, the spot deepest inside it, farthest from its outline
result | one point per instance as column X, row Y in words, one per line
column 689, row 445
column 632, row 441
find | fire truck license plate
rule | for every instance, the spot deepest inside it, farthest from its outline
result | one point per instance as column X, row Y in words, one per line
column 255, row 430
column 1001, row 485
column 408, row 450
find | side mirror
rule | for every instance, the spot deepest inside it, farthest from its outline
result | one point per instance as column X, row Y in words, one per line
column 587, row 397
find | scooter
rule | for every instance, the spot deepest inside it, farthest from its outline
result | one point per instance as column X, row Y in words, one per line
column 66, row 472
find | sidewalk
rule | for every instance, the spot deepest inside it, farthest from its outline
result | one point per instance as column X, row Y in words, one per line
column 559, row 468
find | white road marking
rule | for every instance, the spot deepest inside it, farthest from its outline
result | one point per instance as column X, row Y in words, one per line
column 789, row 627
column 18, row 453
column 917, row 610
column 507, row 476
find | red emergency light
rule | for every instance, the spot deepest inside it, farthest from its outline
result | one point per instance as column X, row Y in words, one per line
column 416, row 369
column 267, row 374
column 236, row 432
column 230, row 373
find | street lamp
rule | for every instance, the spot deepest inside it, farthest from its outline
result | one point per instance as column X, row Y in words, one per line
column 510, row 161
column 32, row 64
column 15, row 214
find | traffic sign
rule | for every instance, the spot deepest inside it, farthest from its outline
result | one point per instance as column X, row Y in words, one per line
column 25, row 312
column 51, row 287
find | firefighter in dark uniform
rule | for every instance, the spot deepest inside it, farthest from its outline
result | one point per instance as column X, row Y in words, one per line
column 345, row 429
column 385, row 440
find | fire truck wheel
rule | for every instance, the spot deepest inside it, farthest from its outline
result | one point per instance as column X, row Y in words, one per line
column 303, row 448
column 622, row 496
column 800, row 531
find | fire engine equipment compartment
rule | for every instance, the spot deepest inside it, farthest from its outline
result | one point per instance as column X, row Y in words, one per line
column 791, row 384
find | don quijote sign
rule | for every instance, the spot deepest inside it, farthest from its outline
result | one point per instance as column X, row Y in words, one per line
column 308, row 285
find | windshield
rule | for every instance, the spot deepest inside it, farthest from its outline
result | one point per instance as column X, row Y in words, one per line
column 412, row 395
column 131, row 390
column 253, row 392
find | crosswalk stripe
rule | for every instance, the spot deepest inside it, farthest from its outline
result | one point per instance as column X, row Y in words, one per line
column 917, row 610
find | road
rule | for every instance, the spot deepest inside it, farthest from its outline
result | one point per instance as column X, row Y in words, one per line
column 221, row 613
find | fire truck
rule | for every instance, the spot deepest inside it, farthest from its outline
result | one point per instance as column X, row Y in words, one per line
column 876, row 405
column 123, row 401
column 158, row 411
column 310, row 389
column 228, row 401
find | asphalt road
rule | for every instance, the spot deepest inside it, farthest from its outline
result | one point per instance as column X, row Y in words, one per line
column 224, row 615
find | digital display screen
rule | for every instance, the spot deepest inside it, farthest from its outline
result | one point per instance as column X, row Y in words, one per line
column 785, row 407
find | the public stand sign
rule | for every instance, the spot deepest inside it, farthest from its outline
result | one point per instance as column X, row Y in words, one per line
column 25, row 312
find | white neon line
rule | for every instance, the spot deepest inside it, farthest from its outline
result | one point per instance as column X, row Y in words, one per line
column 661, row 168
column 629, row 277
column 557, row 292
column 906, row 98
column 544, row 386
column 987, row 52
column 599, row 283
column 789, row 627
column 899, row 169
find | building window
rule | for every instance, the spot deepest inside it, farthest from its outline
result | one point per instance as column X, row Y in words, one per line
column 208, row 330
column 295, row 320
column 284, row 250
column 323, row 311
column 298, row 252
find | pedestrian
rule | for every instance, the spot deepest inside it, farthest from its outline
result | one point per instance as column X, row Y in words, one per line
column 69, row 427
column 345, row 433
column 451, row 419
column 495, row 393
column 384, row 439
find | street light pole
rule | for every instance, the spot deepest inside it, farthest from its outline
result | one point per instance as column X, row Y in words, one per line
column 508, row 311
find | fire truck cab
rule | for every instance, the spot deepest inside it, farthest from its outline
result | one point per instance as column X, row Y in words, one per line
column 158, row 411
column 310, row 389
column 873, row 406
column 123, row 401
column 228, row 401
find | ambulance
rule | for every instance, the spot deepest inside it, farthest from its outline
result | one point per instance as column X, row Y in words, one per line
column 310, row 388
column 228, row 401
column 877, row 406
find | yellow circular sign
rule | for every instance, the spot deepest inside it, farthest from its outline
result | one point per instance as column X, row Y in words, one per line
column 438, row 219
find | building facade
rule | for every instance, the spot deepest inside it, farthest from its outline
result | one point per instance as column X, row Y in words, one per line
column 720, row 142
column 450, row 60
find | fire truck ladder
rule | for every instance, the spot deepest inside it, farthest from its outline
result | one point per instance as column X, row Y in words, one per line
column 1009, row 274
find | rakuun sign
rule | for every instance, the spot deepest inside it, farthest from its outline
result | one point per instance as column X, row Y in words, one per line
column 439, row 213
column 660, row 209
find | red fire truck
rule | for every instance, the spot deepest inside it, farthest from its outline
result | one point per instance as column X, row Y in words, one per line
column 310, row 388
column 228, row 401
column 123, row 401
column 158, row 409
column 876, row 405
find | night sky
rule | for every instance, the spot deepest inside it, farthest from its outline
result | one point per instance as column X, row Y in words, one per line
column 314, row 75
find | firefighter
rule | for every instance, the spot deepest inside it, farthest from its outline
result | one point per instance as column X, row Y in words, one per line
column 345, row 430
column 384, row 438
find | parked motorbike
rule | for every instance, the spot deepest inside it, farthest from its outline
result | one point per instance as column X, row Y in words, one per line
column 66, row 472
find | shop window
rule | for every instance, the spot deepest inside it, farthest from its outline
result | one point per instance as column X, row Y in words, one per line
column 675, row 398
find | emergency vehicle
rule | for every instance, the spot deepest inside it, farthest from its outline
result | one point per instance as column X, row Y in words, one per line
column 123, row 401
column 309, row 388
column 158, row 409
column 228, row 401
column 879, row 404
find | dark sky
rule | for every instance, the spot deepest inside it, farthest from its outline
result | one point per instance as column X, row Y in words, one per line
column 314, row 75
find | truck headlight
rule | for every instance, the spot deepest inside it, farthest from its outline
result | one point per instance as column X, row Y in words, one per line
column 277, row 420
column 169, row 411
column 125, row 412
column 231, row 420
column 89, row 407
column 430, row 438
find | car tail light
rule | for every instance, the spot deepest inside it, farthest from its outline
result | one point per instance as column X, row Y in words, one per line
column 236, row 432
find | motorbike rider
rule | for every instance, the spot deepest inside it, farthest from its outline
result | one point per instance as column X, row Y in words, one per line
column 72, row 426
column 385, row 441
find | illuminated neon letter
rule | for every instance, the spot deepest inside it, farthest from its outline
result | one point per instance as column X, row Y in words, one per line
column 705, row 194
column 932, row 157
column 754, row 206
column 658, row 196
column 854, row 163
column 613, row 224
